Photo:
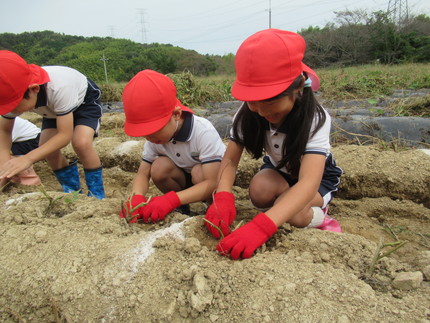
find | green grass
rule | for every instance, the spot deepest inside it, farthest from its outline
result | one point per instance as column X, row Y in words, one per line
column 411, row 107
column 359, row 82
column 372, row 81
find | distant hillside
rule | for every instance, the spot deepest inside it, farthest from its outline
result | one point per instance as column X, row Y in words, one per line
column 123, row 58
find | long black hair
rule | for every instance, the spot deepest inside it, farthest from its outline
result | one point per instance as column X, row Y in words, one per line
column 250, row 129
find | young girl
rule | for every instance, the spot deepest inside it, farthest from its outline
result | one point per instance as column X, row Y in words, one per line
column 281, row 117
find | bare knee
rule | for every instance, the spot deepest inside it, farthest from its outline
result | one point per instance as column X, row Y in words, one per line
column 265, row 187
column 82, row 146
column 261, row 192
column 302, row 219
column 161, row 169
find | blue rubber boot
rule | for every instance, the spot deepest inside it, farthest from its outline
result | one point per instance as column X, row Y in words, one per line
column 94, row 180
column 69, row 177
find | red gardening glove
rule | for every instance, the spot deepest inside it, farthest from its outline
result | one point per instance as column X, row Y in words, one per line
column 132, row 202
column 160, row 206
column 221, row 213
column 245, row 240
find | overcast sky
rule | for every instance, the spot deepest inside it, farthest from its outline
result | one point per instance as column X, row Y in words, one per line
column 209, row 27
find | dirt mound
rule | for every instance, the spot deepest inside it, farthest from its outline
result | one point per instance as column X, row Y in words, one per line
column 70, row 258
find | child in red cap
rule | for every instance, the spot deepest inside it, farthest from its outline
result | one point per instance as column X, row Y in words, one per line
column 71, row 110
column 280, row 117
column 182, row 152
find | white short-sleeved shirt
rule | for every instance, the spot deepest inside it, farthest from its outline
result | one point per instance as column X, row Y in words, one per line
column 197, row 142
column 24, row 130
column 319, row 143
column 64, row 93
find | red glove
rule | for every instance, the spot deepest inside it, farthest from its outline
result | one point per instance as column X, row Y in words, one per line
column 135, row 200
column 221, row 213
column 160, row 206
column 245, row 240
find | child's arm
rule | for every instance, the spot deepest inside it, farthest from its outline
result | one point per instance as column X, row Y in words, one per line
column 160, row 206
column 203, row 190
column 228, row 167
column 6, row 127
column 222, row 212
column 139, row 189
column 242, row 242
column 59, row 140
column 141, row 180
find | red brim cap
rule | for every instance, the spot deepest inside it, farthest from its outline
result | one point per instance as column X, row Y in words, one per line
column 39, row 75
column 267, row 63
column 147, row 128
column 15, row 80
column 247, row 92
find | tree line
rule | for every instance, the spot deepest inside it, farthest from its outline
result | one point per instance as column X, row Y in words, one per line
column 123, row 58
column 353, row 38
column 357, row 37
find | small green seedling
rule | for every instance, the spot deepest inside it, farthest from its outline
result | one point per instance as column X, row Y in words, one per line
column 4, row 186
column 52, row 201
column 129, row 213
column 73, row 198
column 214, row 226
column 378, row 255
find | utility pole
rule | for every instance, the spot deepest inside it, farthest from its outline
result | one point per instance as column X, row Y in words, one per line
column 104, row 59
column 142, row 24
column 270, row 13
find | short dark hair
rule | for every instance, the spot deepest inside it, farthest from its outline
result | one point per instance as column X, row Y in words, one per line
column 27, row 94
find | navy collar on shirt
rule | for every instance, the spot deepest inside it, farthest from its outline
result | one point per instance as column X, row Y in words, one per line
column 281, row 129
column 42, row 99
column 187, row 126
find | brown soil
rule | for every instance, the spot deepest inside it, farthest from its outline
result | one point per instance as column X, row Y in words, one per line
column 77, row 261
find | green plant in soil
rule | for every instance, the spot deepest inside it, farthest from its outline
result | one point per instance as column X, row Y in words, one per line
column 128, row 216
column 52, row 202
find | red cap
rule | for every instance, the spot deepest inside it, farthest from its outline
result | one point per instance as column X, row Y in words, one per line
column 267, row 63
column 15, row 78
column 149, row 100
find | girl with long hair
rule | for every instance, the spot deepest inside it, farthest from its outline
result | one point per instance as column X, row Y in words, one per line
column 281, row 121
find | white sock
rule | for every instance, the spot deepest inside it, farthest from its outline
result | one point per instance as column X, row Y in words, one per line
column 318, row 217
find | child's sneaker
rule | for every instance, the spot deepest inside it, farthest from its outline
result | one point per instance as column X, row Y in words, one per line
column 329, row 223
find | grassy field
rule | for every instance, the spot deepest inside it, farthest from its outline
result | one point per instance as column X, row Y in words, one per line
column 372, row 81
column 359, row 82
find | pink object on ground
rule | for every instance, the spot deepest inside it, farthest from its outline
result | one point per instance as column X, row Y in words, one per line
column 329, row 223
column 27, row 177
